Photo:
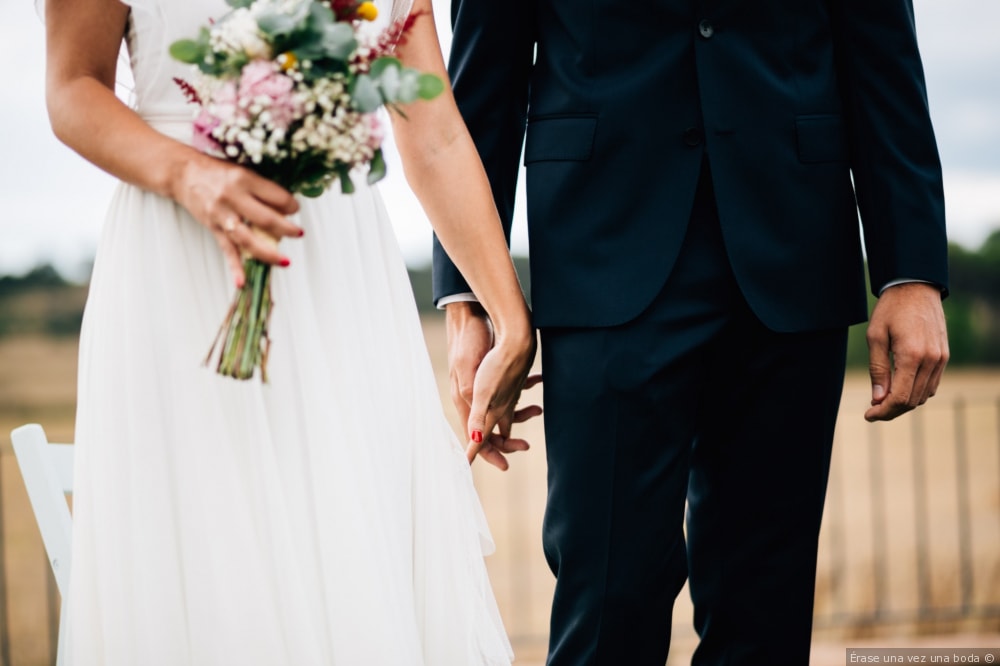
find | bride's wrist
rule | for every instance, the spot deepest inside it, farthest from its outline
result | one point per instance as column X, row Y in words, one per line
column 514, row 330
column 176, row 174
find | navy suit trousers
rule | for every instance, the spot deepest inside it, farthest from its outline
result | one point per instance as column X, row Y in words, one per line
column 693, row 408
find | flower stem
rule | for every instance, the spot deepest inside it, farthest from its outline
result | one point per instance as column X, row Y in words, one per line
column 244, row 331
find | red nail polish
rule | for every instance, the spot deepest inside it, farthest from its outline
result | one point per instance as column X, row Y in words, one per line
column 302, row 232
column 286, row 262
column 477, row 436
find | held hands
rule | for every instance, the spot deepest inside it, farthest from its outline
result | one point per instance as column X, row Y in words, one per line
column 245, row 212
column 487, row 380
column 908, row 349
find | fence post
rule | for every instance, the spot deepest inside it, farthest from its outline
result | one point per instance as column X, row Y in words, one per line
column 962, row 489
column 921, row 517
column 879, row 536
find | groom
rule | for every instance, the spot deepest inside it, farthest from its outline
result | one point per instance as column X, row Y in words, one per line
column 695, row 264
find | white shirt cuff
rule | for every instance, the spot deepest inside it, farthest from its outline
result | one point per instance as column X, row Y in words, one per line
column 893, row 283
column 464, row 297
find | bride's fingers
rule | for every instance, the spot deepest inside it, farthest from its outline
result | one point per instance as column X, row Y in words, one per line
column 257, row 244
column 268, row 219
column 270, row 193
column 232, row 257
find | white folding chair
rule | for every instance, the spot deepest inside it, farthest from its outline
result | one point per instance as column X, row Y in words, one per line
column 47, row 470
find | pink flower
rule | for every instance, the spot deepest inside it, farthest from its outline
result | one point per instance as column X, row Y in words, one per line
column 263, row 82
column 202, row 138
column 223, row 102
column 375, row 131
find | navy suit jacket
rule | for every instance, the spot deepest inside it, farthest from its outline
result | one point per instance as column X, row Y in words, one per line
column 616, row 104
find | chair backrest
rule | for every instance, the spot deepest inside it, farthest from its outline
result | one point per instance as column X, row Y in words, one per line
column 47, row 470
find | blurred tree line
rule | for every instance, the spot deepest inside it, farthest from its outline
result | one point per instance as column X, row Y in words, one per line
column 43, row 302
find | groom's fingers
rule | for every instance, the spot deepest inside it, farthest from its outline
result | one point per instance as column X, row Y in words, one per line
column 525, row 413
column 494, row 448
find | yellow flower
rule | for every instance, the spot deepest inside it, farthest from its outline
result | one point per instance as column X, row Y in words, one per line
column 287, row 60
column 367, row 11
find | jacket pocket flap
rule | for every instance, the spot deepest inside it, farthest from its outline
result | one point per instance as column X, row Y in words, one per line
column 560, row 139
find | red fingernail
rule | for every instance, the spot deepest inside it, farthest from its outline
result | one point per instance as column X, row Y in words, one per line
column 477, row 436
column 286, row 262
column 302, row 232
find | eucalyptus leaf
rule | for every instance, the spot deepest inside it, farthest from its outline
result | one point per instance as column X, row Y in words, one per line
column 429, row 86
column 276, row 25
column 380, row 65
column 320, row 13
column 338, row 40
column 388, row 83
column 187, row 50
column 365, row 94
column 409, row 86
column 236, row 4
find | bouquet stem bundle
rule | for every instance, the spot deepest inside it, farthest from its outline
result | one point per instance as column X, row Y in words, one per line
column 243, row 334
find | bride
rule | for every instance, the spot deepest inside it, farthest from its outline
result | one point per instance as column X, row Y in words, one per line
column 329, row 516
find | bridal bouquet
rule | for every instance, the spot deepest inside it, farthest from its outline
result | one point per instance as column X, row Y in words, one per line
column 291, row 90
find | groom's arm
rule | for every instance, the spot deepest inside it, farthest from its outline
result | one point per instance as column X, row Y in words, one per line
column 897, row 176
column 490, row 63
column 894, row 155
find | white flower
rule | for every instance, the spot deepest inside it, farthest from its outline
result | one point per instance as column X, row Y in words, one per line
column 239, row 33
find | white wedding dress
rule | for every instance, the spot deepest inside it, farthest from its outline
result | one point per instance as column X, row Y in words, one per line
column 327, row 518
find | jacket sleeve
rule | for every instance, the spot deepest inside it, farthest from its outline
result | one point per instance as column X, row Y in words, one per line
column 894, row 156
column 490, row 65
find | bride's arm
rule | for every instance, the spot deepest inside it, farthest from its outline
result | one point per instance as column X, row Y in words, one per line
column 444, row 170
column 82, row 41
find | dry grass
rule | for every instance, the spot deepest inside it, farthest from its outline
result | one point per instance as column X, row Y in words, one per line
column 37, row 384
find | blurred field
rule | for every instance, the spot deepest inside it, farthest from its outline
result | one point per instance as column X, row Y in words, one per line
column 862, row 598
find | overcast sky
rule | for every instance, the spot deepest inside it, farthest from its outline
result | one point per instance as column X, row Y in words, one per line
column 52, row 203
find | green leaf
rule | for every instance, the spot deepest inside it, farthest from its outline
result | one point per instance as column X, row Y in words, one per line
column 275, row 25
column 429, row 86
column 338, row 41
column 187, row 50
column 382, row 63
column 366, row 94
column 346, row 184
column 376, row 171
column 236, row 4
column 389, row 82
column 312, row 190
column 320, row 14
column 408, row 86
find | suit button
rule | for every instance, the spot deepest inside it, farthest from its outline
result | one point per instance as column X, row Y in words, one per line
column 706, row 29
column 692, row 136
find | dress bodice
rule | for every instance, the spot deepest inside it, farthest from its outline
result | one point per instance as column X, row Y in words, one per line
column 153, row 25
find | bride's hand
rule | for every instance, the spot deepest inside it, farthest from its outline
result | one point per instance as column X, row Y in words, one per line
column 500, row 378
column 245, row 212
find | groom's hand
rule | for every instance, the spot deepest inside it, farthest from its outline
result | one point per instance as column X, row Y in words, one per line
column 470, row 338
column 907, row 349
